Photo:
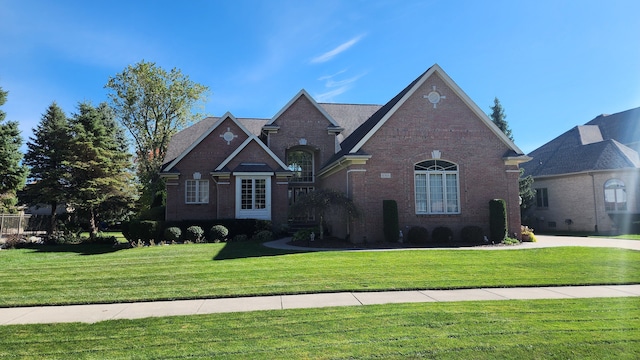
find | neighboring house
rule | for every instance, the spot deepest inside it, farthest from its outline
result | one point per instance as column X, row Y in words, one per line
column 587, row 179
column 430, row 148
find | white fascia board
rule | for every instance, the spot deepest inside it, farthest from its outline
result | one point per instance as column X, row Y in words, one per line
column 301, row 93
column 245, row 144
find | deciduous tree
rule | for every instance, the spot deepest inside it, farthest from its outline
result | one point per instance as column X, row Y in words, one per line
column 153, row 104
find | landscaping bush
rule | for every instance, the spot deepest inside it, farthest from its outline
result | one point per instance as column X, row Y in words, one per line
column 240, row 238
column 497, row 220
column 302, row 235
column 149, row 231
column 510, row 241
column 527, row 234
column 262, row 236
column 391, row 226
column 418, row 235
column 153, row 214
column 172, row 234
column 194, row 234
column 442, row 234
column 472, row 234
column 218, row 233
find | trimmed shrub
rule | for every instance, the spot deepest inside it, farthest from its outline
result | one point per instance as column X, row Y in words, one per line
column 442, row 234
column 153, row 214
column 418, row 235
column 240, row 238
column 172, row 233
column 149, row 231
column 497, row 220
column 218, row 233
column 391, row 226
column 472, row 234
column 302, row 235
column 262, row 236
column 195, row 234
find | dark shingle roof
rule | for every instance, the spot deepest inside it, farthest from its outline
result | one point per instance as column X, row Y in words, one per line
column 358, row 134
column 623, row 127
column 580, row 150
column 349, row 116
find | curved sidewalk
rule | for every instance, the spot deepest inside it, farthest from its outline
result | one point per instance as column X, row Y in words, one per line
column 543, row 241
column 100, row 312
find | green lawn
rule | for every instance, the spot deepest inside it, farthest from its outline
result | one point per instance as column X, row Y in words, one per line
column 76, row 274
column 536, row 329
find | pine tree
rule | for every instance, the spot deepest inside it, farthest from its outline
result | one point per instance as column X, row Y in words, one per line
column 99, row 163
column 47, row 156
column 499, row 118
column 13, row 173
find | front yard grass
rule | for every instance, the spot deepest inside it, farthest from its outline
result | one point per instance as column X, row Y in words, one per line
column 531, row 329
column 77, row 274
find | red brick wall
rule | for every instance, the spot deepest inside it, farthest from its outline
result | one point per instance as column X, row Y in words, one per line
column 409, row 137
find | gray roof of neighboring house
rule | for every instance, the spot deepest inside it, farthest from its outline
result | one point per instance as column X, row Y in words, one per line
column 623, row 127
column 602, row 144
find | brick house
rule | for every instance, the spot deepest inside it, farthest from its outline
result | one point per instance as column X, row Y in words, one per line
column 588, row 178
column 430, row 148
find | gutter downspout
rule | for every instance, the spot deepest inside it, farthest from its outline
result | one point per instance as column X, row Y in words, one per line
column 595, row 204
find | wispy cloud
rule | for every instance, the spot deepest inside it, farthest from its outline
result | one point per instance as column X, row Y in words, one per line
column 338, row 50
column 335, row 87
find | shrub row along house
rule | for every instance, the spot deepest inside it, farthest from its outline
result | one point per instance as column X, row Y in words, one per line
column 430, row 148
column 588, row 179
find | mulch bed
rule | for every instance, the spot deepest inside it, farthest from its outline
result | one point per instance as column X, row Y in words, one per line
column 335, row 243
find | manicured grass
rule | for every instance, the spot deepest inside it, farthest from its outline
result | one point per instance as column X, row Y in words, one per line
column 624, row 237
column 97, row 274
column 534, row 329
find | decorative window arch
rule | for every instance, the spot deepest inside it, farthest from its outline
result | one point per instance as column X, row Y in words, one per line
column 615, row 195
column 437, row 187
column 300, row 162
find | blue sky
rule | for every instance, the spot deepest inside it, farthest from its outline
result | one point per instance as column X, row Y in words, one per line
column 553, row 64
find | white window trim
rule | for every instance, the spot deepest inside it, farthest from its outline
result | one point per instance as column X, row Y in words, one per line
column 444, row 174
column 200, row 184
column 262, row 214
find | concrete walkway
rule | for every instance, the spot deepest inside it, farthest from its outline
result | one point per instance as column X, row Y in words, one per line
column 101, row 312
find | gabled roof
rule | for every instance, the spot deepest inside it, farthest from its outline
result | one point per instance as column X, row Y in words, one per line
column 354, row 142
column 623, row 127
column 578, row 150
column 185, row 142
column 300, row 94
column 246, row 143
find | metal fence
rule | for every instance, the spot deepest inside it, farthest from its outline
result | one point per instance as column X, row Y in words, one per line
column 22, row 224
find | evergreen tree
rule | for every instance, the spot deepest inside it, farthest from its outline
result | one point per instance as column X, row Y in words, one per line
column 47, row 156
column 499, row 118
column 153, row 104
column 99, row 163
column 13, row 173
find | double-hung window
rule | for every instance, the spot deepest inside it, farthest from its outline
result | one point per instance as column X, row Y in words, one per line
column 437, row 187
column 542, row 198
column 197, row 191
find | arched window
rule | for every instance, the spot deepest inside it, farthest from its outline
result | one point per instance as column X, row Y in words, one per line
column 615, row 195
column 437, row 187
column 300, row 162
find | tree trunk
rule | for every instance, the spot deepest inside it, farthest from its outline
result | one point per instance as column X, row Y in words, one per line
column 93, row 229
column 53, row 224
